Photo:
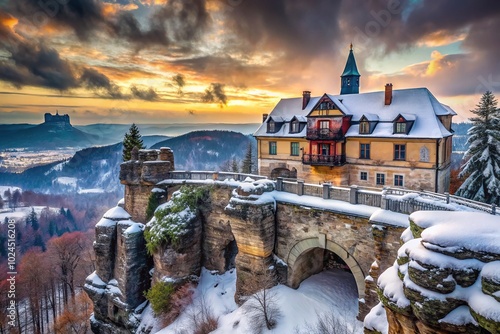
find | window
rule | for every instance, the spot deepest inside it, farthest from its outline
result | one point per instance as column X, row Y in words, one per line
column 271, row 126
column 401, row 127
column 324, row 124
column 325, row 149
column 363, row 176
column 380, row 179
column 364, row 151
column 399, row 152
column 294, row 149
column 398, row 180
column 294, row 127
column 364, row 127
column 272, row 147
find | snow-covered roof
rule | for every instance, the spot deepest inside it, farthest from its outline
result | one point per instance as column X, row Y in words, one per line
column 370, row 117
column 416, row 104
column 299, row 118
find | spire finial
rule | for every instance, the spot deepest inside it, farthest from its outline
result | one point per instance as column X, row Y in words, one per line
column 351, row 46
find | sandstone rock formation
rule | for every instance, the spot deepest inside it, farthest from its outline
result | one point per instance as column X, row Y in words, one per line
column 446, row 278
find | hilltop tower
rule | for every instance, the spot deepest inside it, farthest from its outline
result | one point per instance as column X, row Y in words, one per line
column 350, row 77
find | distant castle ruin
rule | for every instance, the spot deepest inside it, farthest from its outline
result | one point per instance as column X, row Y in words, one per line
column 49, row 118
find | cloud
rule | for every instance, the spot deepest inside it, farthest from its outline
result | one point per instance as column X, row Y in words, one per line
column 215, row 93
column 81, row 16
column 294, row 28
column 179, row 81
column 148, row 94
column 101, row 84
column 176, row 22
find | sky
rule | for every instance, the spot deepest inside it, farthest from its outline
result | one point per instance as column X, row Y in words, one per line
column 230, row 61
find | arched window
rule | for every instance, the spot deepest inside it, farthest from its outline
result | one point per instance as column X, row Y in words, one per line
column 424, row 154
column 364, row 127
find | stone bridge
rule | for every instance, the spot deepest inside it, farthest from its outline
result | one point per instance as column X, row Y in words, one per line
column 252, row 223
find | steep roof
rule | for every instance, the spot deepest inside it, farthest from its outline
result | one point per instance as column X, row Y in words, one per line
column 350, row 66
column 416, row 104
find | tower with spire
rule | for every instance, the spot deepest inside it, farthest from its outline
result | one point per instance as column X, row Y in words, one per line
column 350, row 77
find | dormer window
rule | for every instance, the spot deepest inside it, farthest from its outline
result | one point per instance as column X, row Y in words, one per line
column 294, row 127
column 364, row 127
column 400, row 127
column 403, row 123
column 271, row 126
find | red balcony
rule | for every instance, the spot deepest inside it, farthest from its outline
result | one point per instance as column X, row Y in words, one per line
column 323, row 160
column 324, row 134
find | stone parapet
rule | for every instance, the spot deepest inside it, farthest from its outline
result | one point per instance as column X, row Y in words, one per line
column 140, row 175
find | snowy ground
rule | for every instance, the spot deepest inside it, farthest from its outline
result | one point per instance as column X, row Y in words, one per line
column 328, row 293
column 67, row 181
column 21, row 212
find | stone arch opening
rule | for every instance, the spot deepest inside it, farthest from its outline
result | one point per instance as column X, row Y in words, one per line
column 230, row 252
column 311, row 256
column 284, row 172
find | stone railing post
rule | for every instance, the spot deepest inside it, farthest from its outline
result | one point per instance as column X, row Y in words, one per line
column 300, row 188
column 326, row 191
column 383, row 199
column 353, row 194
column 447, row 197
column 279, row 184
column 188, row 175
column 493, row 209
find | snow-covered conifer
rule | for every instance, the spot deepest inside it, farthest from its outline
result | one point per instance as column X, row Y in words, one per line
column 482, row 166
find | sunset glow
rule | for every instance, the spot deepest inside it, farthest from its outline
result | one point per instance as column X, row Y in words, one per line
column 115, row 61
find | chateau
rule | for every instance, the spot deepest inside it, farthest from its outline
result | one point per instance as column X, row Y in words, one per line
column 396, row 138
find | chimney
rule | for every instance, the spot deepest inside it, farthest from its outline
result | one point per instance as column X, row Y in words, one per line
column 306, row 96
column 264, row 117
column 388, row 94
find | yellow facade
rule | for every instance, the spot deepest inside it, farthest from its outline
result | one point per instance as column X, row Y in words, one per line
column 419, row 170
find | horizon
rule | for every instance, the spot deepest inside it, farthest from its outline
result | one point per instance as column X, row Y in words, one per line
column 174, row 62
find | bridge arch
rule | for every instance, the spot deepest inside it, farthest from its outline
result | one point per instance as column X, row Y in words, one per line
column 298, row 253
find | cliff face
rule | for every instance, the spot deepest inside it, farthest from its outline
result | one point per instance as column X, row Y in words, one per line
column 446, row 278
column 225, row 223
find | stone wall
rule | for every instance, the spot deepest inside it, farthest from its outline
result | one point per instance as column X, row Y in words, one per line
column 140, row 175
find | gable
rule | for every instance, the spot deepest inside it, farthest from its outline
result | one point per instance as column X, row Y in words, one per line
column 326, row 107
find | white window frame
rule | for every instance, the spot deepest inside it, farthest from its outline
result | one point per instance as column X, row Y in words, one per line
column 376, row 178
column 394, row 180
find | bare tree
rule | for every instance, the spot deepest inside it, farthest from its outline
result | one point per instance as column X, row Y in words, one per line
column 262, row 306
column 339, row 322
column 203, row 321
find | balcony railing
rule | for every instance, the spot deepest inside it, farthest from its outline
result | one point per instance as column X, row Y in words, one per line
column 323, row 160
column 324, row 134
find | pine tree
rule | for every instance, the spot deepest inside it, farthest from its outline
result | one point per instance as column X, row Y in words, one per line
column 234, row 166
column 8, row 196
column 32, row 220
column 131, row 140
column 483, row 156
column 247, row 164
